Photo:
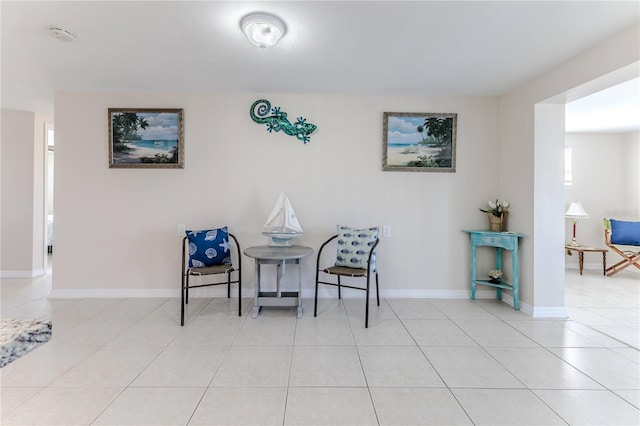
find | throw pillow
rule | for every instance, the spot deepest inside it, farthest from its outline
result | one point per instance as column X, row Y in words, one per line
column 625, row 233
column 209, row 247
column 354, row 246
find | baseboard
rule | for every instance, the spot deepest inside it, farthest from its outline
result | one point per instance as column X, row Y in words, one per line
column 22, row 274
column 324, row 292
column 550, row 312
column 327, row 293
column 433, row 294
column 331, row 292
column 116, row 293
column 221, row 291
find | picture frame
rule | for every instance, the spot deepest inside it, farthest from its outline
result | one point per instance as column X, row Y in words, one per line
column 146, row 138
column 419, row 142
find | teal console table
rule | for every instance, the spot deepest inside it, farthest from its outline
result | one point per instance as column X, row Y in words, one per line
column 499, row 240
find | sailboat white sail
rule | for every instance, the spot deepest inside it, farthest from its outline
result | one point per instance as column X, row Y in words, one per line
column 282, row 224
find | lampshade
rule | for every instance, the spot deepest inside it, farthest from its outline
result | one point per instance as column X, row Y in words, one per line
column 263, row 30
column 576, row 211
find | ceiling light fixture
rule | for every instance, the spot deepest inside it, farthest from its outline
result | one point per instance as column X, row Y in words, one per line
column 60, row 34
column 263, row 30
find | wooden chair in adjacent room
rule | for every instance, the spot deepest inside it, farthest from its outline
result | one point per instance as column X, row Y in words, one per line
column 624, row 239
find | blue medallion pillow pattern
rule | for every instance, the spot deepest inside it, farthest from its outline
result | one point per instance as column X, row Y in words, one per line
column 625, row 233
column 354, row 246
column 209, row 247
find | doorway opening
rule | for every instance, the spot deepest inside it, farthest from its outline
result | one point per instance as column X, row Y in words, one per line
column 49, row 147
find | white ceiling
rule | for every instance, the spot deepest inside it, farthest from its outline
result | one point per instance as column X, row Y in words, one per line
column 355, row 47
column 616, row 109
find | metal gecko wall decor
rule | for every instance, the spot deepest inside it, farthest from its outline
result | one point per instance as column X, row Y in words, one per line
column 277, row 121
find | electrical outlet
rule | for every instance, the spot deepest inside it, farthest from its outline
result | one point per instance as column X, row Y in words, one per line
column 181, row 229
column 386, row 230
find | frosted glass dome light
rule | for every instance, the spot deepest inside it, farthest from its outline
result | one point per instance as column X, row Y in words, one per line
column 263, row 30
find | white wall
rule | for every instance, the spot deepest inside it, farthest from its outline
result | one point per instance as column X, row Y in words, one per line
column 632, row 180
column 17, row 191
column 39, row 192
column 50, row 174
column 538, row 201
column 605, row 180
column 49, row 140
column 22, row 194
column 138, row 228
column 116, row 228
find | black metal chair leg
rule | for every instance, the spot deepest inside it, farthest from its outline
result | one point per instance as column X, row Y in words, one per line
column 182, row 302
column 186, row 291
column 185, row 284
column 315, row 299
column 339, row 272
column 366, row 312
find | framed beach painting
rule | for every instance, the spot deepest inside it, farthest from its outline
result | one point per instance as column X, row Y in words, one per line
column 147, row 138
column 419, row 142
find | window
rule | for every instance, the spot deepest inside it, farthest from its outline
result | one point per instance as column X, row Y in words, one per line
column 568, row 166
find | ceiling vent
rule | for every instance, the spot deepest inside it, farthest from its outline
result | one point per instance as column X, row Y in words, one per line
column 60, row 34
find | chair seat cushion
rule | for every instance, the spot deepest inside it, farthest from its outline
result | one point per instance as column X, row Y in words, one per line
column 354, row 246
column 625, row 233
column 211, row 270
column 209, row 247
column 343, row 270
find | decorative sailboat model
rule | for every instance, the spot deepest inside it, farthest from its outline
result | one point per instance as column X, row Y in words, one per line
column 282, row 224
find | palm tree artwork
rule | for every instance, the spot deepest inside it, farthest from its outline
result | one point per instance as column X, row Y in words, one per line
column 439, row 135
column 420, row 141
column 125, row 128
column 420, row 130
column 145, row 136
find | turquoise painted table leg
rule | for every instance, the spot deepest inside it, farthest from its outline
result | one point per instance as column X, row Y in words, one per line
column 500, row 242
column 473, row 272
column 499, row 267
column 516, row 278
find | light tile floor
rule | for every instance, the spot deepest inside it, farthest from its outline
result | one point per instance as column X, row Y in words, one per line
column 420, row 362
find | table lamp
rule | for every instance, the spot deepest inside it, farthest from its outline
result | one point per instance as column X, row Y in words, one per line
column 574, row 212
